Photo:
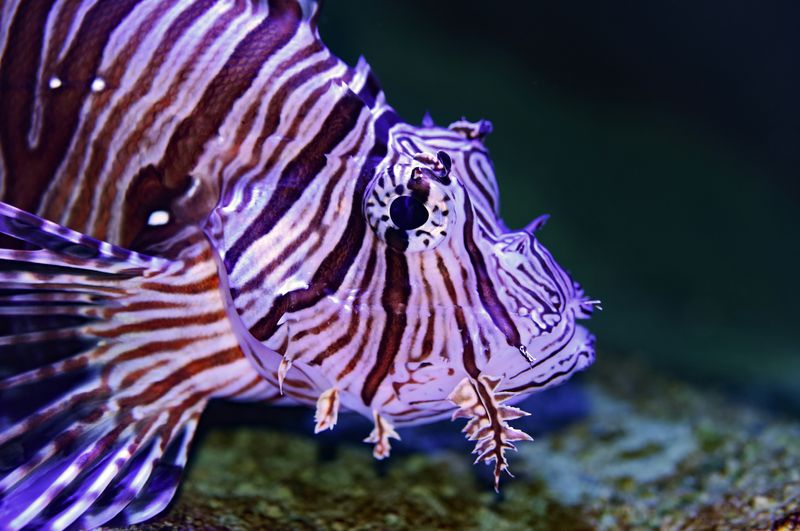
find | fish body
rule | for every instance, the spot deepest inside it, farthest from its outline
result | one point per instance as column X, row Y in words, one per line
column 200, row 201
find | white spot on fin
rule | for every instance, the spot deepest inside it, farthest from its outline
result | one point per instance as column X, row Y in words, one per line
column 98, row 85
column 158, row 218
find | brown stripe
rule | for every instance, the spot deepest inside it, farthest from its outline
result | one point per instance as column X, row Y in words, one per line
column 300, row 172
column 249, row 386
column 98, row 394
column 97, row 146
column 186, row 372
column 209, row 284
column 316, row 330
column 167, row 322
column 426, row 348
column 272, row 121
column 396, row 292
column 311, row 226
column 133, row 376
column 334, row 267
column 17, row 90
column 176, row 412
column 355, row 359
column 352, row 327
column 143, row 197
column 233, row 80
column 152, row 347
column 551, row 377
column 468, row 354
column 138, row 306
column 62, row 109
column 489, row 299
column 478, row 181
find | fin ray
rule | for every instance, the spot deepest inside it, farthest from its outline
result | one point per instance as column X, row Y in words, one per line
column 99, row 429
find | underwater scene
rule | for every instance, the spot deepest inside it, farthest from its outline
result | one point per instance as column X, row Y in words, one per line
column 302, row 265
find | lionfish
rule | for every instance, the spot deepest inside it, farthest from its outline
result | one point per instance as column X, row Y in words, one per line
column 202, row 202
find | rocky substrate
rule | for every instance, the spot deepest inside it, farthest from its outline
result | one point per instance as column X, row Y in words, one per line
column 621, row 448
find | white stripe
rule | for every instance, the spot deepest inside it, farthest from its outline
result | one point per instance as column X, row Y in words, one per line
column 77, row 22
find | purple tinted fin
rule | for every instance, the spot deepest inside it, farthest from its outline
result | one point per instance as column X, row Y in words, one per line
column 537, row 224
column 69, row 244
column 164, row 480
column 107, row 359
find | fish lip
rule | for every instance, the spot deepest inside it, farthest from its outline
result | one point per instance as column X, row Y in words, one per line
column 582, row 347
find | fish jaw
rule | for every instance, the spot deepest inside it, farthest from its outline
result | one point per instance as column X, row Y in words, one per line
column 417, row 385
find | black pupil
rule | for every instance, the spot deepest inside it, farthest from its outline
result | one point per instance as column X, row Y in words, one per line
column 408, row 213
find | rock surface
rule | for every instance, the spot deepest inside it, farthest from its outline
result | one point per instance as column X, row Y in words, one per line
column 638, row 451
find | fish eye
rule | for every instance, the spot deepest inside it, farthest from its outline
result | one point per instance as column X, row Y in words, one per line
column 410, row 209
column 408, row 213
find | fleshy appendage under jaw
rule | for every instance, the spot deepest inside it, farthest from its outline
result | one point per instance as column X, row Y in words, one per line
column 486, row 400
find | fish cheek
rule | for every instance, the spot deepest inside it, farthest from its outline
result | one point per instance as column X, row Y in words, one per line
column 428, row 385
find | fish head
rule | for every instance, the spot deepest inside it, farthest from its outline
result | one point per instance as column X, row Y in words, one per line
column 400, row 282
column 464, row 294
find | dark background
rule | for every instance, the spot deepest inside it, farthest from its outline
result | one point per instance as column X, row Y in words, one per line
column 664, row 139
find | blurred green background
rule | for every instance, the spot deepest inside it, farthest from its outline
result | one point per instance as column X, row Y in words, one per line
column 662, row 137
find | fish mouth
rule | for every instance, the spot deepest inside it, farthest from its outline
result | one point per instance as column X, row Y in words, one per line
column 556, row 365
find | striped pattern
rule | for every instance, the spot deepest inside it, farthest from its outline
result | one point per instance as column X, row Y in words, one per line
column 395, row 331
column 133, row 349
column 280, row 274
column 114, row 108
